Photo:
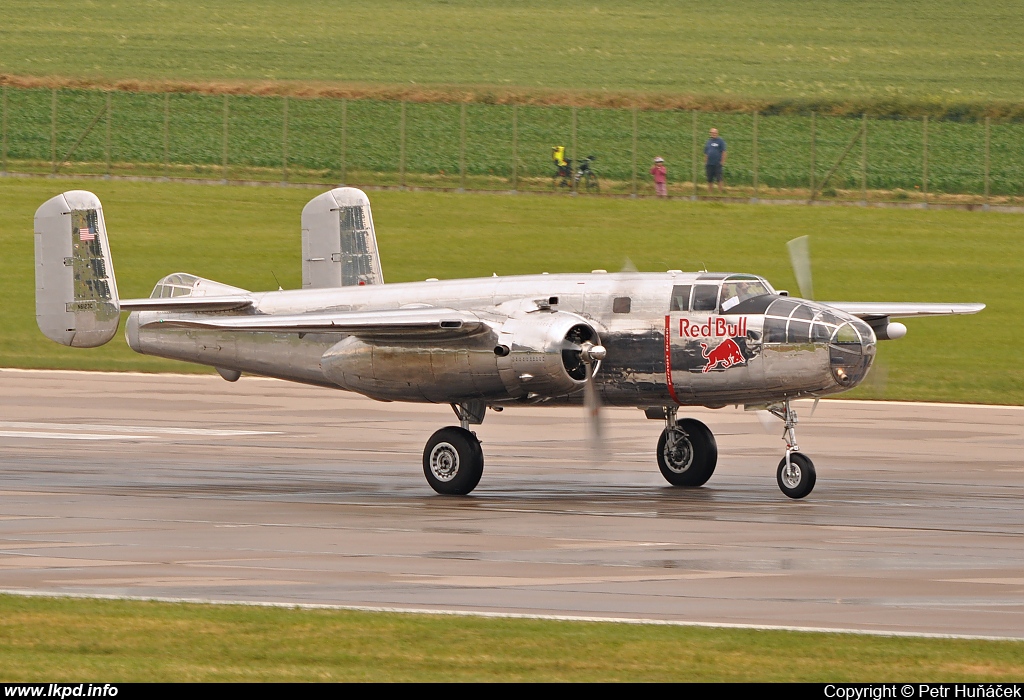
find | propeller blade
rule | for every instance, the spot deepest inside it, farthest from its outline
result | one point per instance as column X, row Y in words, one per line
column 768, row 423
column 814, row 407
column 595, row 423
column 628, row 266
column 800, row 258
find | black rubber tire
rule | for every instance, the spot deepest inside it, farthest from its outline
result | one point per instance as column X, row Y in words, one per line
column 800, row 484
column 694, row 456
column 453, row 461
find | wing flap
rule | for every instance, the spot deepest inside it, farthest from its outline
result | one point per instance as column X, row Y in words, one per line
column 882, row 309
column 397, row 324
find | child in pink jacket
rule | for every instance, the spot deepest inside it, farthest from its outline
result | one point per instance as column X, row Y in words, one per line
column 660, row 175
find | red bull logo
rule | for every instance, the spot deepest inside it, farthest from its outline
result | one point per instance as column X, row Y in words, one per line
column 714, row 327
column 725, row 355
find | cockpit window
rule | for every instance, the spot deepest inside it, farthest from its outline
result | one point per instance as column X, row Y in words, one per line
column 705, row 297
column 733, row 293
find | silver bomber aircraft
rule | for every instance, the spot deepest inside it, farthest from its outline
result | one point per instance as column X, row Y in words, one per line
column 657, row 341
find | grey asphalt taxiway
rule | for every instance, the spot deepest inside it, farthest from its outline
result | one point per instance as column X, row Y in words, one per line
column 190, row 487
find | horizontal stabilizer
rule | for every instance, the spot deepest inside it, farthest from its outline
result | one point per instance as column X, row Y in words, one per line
column 882, row 309
column 409, row 324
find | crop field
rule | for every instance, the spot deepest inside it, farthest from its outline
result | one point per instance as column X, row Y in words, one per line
column 60, row 640
column 941, row 51
column 245, row 236
column 428, row 144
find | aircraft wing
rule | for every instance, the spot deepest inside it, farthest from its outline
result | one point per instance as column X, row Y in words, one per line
column 226, row 302
column 396, row 323
column 882, row 309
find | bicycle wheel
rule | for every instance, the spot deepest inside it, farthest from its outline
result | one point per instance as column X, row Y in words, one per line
column 591, row 183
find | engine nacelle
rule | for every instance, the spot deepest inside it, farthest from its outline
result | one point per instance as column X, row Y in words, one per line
column 536, row 355
column 540, row 353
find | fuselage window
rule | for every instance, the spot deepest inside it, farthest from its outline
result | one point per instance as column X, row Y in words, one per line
column 799, row 331
column 621, row 305
column 680, row 298
column 705, row 297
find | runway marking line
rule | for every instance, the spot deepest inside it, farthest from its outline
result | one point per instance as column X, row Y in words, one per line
column 515, row 616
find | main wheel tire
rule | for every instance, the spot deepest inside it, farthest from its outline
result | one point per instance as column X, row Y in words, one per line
column 453, row 461
column 798, row 481
column 687, row 453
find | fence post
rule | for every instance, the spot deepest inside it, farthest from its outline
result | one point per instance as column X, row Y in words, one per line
column 224, row 152
column 575, row 164
column 754, row 156
column 3, row 128
column 284, row 142
column 864, row 159
column 462, row 147
column 167, row 134
column 814, row 137
column 634, row 150
column 515, row 147
column 401, row 147
column 344, row 124
column 988, row 141
column 694, row 155
column 106, row 147
column 924, row 164
column 53, row 130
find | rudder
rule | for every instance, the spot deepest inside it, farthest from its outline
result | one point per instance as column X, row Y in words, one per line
column 76, row 293
column 339, row 247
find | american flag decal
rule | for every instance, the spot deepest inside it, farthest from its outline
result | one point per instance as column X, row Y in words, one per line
column 84, row 234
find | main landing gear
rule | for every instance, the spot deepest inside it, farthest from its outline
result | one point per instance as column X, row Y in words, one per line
column 687, row 451
column 795, row 474
column 453, row 460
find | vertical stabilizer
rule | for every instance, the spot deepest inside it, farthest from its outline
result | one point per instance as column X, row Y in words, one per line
column 76, row 295
column 339, row 247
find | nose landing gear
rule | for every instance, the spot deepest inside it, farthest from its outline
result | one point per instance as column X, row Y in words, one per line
column 795, row 474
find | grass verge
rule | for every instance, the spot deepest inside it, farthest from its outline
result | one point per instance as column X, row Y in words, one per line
column 54, row 640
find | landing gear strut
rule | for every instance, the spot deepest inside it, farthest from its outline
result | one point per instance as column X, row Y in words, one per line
column 687, row 451
column 795, row 474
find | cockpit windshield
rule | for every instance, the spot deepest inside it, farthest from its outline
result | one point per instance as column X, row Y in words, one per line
column 736, row 291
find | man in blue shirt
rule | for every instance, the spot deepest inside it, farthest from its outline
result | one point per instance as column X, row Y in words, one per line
column 714, row 159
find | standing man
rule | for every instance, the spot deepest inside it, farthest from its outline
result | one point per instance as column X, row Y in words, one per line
column 714, row 159
column 660, row 175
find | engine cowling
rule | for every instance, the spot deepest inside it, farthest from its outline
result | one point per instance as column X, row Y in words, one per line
column 538, row 355
column 541, row 353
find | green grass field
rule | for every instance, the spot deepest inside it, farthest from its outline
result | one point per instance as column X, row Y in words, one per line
column 942, row 50
column 245, row 236
column 194, row 136
column 54, row 640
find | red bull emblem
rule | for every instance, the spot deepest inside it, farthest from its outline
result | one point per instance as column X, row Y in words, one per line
column 726, row 354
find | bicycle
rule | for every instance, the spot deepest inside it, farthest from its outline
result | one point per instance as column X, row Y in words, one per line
column 585, row 173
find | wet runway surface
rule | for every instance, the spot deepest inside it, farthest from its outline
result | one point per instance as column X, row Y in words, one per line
column 186, row 486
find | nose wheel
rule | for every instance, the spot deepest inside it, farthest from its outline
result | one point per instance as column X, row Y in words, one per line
column 795, row 474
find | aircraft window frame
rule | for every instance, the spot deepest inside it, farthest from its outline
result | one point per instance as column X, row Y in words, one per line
column 745, row 288
column 680, row 300
column 711, row 302
column 621, row 305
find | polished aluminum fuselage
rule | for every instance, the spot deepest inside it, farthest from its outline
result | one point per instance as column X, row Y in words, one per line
column 655, row 356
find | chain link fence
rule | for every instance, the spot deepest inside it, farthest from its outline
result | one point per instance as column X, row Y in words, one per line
column 504, row 147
